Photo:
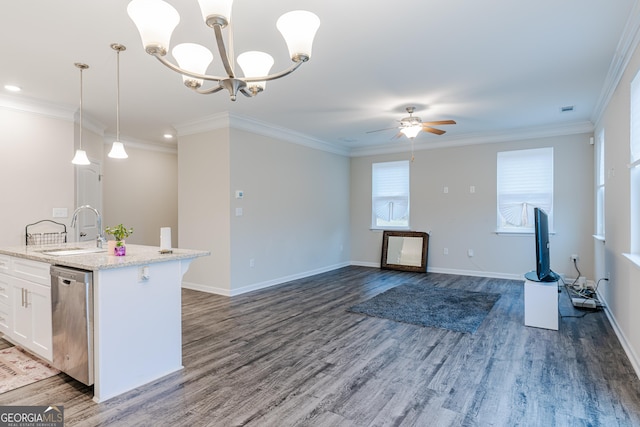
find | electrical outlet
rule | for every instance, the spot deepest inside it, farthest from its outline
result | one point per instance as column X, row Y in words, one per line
column 143, row 274
column 574, row 257
column 445, row 251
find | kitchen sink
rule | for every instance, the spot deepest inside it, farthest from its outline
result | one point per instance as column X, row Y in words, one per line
column 71, row 251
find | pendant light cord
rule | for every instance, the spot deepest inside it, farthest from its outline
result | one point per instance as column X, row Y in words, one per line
column 81, row 69
column 118, row 95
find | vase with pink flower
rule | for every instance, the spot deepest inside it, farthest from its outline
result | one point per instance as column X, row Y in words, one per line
column 119, row 232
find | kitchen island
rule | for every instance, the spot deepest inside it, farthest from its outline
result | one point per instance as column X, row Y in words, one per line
column 137, row 323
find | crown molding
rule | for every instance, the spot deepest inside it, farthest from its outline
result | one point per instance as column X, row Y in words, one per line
column 169, row 148
column 38, row 107
column 50, row 110
column 235, row 121
column 624, row 51
column 474, row 139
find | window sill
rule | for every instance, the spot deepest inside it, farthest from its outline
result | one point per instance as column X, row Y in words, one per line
column 390, row 229
column 518, row 232
column 634, row 258
column 599, row 237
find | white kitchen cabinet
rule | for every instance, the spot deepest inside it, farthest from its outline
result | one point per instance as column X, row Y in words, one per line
column 31, row 320
column 25, row 304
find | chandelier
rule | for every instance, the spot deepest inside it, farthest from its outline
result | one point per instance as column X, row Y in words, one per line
column 156, row 20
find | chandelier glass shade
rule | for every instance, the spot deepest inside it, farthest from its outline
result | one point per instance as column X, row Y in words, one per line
column 156, row 20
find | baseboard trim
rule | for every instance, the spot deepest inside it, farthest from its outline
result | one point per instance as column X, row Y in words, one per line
column 474, row 273
column 261, row 285
column 628, row 349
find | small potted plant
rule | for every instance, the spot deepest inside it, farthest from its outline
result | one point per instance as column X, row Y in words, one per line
column 119, row 232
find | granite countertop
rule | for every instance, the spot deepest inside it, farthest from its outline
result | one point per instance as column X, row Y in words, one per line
column 136, row 255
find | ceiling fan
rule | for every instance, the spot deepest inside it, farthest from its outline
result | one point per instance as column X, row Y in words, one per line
column 412, row 125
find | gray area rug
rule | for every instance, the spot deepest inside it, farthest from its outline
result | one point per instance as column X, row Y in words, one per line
column 430, row 306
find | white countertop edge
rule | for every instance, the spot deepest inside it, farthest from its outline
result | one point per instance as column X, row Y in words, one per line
column 136, row 255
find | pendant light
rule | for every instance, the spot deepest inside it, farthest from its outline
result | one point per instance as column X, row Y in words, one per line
column 117, row 149
column 81, row 156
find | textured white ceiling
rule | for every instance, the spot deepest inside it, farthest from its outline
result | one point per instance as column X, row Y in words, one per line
column 494, row 66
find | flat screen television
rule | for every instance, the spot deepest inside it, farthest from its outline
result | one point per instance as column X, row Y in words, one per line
column 543, row 271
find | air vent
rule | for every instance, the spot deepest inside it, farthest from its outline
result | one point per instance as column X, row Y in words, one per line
column 566, row 109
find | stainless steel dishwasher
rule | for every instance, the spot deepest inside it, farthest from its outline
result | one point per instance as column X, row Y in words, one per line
column 72, row 315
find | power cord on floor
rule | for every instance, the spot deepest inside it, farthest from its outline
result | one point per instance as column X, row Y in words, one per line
column 584, row 293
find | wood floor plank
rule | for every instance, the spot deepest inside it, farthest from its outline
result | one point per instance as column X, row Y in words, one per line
column 292, row 355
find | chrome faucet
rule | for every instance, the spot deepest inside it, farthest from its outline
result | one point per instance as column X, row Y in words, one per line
column 100, row 239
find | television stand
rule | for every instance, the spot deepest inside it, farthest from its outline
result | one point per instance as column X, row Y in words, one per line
column 541, row 304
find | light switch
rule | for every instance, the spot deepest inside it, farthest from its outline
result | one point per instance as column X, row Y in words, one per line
column 238, row 211
column 60, row 213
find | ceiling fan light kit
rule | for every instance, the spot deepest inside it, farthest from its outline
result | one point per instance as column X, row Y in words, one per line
column 156, row 20
column 412, row 125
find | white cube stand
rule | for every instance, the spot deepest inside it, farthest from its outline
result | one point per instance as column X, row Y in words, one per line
column 541, row 304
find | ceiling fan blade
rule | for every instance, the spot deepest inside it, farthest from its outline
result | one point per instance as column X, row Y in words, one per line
column 440, row 122
column 432, row 130
column 398, row 135
column 380, row 130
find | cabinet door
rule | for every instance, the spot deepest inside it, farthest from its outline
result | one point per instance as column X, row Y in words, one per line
column 21, row 312
column 31, row 320
column 39, row 301
column 5, row 304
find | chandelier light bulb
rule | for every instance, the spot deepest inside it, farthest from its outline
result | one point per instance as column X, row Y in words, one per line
column 155, row 20
column 192, row 57
column 216, row 11
column 255, row 64
column 298, row 28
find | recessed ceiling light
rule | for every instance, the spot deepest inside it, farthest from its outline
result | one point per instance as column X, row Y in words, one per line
column 168, row 136
column 566, row 108
column 12, row 88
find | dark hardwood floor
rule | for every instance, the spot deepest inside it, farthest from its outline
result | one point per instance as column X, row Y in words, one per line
column 292, row 355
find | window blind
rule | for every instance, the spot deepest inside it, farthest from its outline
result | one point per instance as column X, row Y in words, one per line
column 525, row 181
column 390, row 194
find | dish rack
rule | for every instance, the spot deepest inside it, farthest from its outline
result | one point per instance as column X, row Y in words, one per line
column 44, row 232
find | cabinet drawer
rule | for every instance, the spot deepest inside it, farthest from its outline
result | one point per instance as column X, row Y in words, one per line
column 34, row 271
column 5, row 262
column 5, row 319
column 5, row 289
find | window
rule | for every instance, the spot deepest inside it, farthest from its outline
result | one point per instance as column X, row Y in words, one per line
column 634, row 147
column 600, row 184
column 525, row 181
column 390, row 195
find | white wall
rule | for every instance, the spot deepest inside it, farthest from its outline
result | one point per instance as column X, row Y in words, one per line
column 295, row 217
column 204, row 208
column 141, row 192
column 35, row 170
column 460, row 220
column 621, row 293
